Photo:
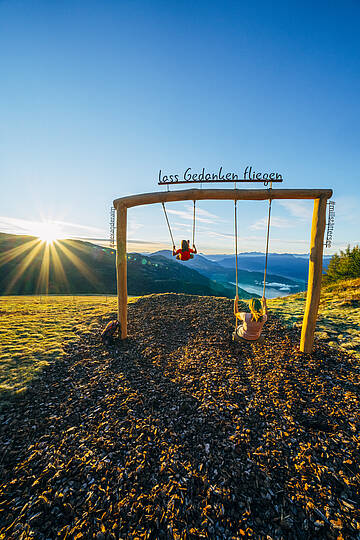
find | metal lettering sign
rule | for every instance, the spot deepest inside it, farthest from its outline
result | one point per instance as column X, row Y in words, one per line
column 330, row 224
column 189, row 176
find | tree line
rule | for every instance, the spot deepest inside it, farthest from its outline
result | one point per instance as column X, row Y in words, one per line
column 345, row 265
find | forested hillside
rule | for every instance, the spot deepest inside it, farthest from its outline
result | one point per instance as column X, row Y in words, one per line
column 28, row 266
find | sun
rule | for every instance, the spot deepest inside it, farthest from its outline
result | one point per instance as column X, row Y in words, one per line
column 48, row 237
column 48, row 232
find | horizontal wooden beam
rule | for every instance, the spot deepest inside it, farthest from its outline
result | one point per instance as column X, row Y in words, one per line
column 221, row 194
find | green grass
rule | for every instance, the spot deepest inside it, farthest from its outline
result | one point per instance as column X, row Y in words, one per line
column 339, row 314
column 34, row 331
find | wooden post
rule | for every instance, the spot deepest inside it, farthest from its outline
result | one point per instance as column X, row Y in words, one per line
column 315, row 275
column 121, row 270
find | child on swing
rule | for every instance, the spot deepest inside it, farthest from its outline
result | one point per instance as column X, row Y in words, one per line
column 185, row 253
column 253, row 322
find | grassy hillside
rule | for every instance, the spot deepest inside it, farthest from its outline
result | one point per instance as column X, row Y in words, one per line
column 28, row 266
column 339, row 314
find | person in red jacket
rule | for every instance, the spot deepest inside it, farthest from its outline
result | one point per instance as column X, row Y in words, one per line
column 185, row 253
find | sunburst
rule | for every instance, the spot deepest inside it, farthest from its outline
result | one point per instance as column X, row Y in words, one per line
column 45, row 254
column 48, row 232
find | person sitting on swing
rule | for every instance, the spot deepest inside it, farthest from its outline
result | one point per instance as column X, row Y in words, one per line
column 185, row 253
column 253, row 322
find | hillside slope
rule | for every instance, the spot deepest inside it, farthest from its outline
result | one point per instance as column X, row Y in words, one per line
column 339, row 314
column 74, row 267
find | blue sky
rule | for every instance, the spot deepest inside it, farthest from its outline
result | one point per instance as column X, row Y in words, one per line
column 96, row 97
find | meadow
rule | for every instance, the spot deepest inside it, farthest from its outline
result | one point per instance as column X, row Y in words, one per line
column 338, row 322
column 35, row 330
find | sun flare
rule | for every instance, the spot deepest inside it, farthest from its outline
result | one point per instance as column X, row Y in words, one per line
column 47, row 237
column 48, row 232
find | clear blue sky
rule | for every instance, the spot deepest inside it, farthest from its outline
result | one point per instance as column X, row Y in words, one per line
column 97, row 96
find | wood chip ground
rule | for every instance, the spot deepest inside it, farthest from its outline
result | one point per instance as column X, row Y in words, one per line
column 180, row 433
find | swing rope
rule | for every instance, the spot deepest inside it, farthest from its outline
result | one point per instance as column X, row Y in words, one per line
column 236, row 250
column 167, row 221
column 193, row 239
column 267, row 245
column 236, row 257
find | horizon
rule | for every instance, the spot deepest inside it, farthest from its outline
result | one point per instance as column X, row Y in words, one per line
column 103, row 243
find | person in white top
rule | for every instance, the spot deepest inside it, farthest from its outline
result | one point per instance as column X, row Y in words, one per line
column 253, row 322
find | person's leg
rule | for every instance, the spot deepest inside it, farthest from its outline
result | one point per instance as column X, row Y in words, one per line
column 178, row 257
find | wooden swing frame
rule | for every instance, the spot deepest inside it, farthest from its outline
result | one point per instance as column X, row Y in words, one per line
column 320, row 197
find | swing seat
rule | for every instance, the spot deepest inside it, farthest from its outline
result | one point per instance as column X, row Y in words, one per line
column 239, row 339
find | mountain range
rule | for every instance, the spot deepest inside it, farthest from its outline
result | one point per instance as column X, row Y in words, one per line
column 28, row 266
column 222, row 268
column 293, row 266
column 223, row 271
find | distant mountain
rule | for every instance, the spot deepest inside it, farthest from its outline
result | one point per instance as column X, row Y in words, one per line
column 199, row 262
column 225, row 273
column 28, row 266
column 292, row 266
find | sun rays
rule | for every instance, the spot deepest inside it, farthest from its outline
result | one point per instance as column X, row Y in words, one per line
column 43, row 263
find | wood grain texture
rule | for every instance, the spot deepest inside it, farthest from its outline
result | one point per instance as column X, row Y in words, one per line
column 315, row 275
column 221, row 194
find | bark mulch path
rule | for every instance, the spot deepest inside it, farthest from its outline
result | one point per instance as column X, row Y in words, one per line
column 180, row 433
